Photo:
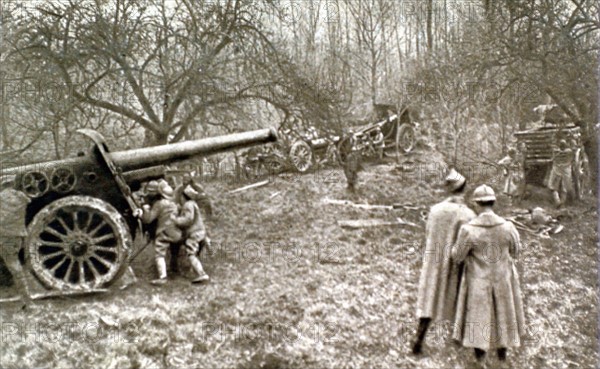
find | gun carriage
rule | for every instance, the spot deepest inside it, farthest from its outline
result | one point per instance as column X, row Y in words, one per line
column 309, row 148
column 394, row 130
column 297, row 149
column 80, row 222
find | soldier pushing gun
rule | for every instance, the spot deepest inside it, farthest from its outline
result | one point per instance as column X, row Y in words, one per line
column 190, row 220
column 161, row 208
column 163, row 205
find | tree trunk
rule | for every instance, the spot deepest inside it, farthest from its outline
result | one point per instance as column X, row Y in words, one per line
column 56, row 139
column 154, row 139
column 429, row 30
column 5, row 114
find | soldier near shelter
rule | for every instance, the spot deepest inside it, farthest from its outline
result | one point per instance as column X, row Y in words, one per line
column 560, row 180
column 439, row 278
column 190, row 221
column 489, row 312
column 161, row 208
column 13, row 205
column 515, row 175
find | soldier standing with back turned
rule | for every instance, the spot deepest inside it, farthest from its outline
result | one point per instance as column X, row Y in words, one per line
column 352, row 166
column 489, row 312
column 439, row 279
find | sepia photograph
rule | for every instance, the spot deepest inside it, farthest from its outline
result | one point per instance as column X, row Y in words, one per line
column 281, row 184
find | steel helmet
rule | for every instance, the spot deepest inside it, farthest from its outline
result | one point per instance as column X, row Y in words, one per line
column 484, row 193
column 164, row 189
column 454, row 180
column 151, row 188
column 190, row 192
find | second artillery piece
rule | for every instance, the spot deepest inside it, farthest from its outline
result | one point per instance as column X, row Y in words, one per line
column 80, row 221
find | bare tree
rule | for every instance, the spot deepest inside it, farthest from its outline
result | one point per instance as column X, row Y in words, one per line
column 161, row 63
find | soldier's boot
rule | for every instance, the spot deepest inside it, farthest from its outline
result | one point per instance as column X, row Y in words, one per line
column 502, row 354
column 564, row 194
column 201, row 275
column 161, row 266
column 417, row 345
column 479, row 355
column 556, row 198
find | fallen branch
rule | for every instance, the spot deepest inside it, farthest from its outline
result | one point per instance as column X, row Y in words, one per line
column 254, row 185
column 364, row 223
column 361, row 206
column 523, row 227
column 370, row 207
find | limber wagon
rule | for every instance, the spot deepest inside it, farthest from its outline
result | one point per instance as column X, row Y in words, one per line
column 540, row 144
column 80, row 219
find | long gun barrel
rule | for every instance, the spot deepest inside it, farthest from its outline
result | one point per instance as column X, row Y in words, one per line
column 164, row 154
column 158, row 155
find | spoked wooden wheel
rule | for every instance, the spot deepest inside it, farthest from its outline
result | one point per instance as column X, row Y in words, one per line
column 77, row 243
column 301, row 156
column 405, row 139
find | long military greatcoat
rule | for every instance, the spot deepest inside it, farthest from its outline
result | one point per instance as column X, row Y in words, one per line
column 489, row 312
column 439, row 279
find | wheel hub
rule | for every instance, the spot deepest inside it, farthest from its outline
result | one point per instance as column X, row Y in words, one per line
column 78, row 248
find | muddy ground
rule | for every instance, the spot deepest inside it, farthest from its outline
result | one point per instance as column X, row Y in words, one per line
column 291, row 288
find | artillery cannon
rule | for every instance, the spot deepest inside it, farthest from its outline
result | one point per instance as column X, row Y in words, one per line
column 80, row 218
column 394, row 129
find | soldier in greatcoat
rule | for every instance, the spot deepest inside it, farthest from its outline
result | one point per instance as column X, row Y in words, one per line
column 439, row 276
column 162, row 208
column 489, row 312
